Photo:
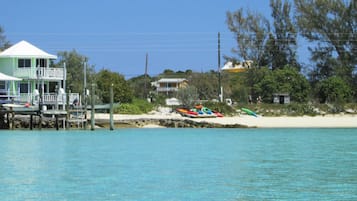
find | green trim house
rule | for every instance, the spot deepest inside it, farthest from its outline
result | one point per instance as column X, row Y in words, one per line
column 37, row 79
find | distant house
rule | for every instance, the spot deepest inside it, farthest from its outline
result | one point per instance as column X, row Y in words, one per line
column 36, row 78
column 237, row 67
column 169, row 85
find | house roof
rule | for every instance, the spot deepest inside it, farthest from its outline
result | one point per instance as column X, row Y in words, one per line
column 4, row 77
column 171, row 80
column 24, row 49
column 237, row 67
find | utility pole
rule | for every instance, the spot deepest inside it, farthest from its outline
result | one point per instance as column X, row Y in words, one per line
column 145, row 76
column 220, row 90
column 64, row 85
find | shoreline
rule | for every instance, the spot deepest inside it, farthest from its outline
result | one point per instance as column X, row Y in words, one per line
column 244, row 121
column 174, row 120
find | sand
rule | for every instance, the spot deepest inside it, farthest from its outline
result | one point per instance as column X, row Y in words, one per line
column 328, row 121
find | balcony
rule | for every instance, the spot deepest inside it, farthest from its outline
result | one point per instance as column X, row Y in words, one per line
column 50, row 73
column 166, row 89
column 48, row 98
column 40, row 73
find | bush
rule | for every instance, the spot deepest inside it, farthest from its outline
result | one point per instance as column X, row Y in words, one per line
column 296, row 109
column 334, row 90
column 138, row 106
column 292, row 109
column 220, row 107
column 143, row 105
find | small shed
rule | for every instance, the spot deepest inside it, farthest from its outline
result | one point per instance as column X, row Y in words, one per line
column 281, row 98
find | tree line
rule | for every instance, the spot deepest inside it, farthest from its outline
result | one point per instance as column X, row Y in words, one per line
column 329, row 26
column 330, row 77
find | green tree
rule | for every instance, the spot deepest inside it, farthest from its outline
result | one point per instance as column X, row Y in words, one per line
column 332, row 26
column 235, row 87
column 263, row 83
column 75, row 70
column 206, row 84
column 122, row 92
column 4, row 43
column 289, row 80
column 257, row 40
column 141, row 86
column 251, row 31
column 187, row 95
column 281, row 46
column 284, row 80
column 334, row 90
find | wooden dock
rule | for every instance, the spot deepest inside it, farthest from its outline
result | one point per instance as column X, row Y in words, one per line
column 71, row 114
column 74, row 117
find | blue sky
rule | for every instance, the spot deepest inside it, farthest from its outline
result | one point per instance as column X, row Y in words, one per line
column 117, row 34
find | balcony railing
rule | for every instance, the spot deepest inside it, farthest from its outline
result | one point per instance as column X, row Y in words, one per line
column 166, row 89
column 48, row 98
column 50, row 73
column 7, row 96
column 40, row 73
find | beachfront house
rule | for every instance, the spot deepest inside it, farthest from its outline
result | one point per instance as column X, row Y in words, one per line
column 36, row 79
column 169, row 86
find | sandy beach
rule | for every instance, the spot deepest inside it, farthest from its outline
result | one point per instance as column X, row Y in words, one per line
column 327, row 121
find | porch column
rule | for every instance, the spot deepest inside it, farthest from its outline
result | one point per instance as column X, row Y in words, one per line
column 28, row 91
column 43, row 92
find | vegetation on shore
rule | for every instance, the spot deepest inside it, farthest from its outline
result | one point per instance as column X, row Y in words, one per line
column 327, row 84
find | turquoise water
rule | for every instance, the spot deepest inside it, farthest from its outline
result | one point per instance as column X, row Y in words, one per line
column 179, row 164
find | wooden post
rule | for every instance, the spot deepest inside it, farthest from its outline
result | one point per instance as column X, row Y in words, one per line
column 111, row 123
column 67, row 109
column 31, row 121
column 92, row 122
column 12, row 119
column 8, row 119
column 57, row 124
column 40, row 123
column 85, row 95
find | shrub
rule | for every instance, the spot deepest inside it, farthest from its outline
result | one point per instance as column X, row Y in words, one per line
column 334, row 90
column 138, row 106
column 220, row 107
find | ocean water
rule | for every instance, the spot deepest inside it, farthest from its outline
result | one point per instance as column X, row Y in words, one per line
column 179, row 164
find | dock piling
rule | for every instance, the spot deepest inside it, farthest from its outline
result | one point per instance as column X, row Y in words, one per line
column 31, row 121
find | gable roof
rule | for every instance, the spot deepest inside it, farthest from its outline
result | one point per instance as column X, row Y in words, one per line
column 24, row 49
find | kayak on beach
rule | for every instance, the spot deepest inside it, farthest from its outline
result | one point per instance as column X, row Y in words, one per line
column 249, row 112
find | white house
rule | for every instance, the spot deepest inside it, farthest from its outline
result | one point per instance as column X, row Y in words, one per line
column 36, row 78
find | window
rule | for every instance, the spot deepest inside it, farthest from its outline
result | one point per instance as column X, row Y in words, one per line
column 41, row 63
column 24, row 88
column 24, row 63
column 2, row 88
column 2, row 85
column 171, row 85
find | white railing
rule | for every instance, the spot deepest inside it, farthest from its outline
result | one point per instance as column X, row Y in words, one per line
column 40, row 73
column 48, row 98
column 166, row 89
column 8, row 96
column 50, row 73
